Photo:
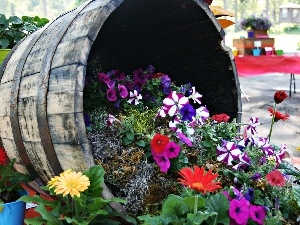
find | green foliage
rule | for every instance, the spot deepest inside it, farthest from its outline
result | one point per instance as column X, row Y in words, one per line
column 13, row 29
column 10, row 181
column 89, row 208
column 178, row 210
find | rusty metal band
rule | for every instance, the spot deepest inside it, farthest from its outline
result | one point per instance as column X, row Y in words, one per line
column 14, row 106
column 42, row 91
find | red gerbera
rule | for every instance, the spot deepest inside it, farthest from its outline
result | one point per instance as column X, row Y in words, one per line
column 220, row 117
column 275, row 178
column 159, row 142
column 278, row 115
column 157, row 75
column 3, row 156
column 199, row 180
column 279, row 96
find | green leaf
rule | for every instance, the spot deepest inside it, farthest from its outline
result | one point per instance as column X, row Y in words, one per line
column 218, row 203
column 174, row 206
column 96, row 177
column 125, row 141
column 199, row 217
column 35, row 221
column 130, row 135
column 140, row 143
column 190, row 202
column 4, row 43
column 296, row 192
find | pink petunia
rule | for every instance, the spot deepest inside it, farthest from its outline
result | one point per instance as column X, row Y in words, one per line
column 123, row 91
column 111, row 94
column 163, row 162
column 257, row 214
column 172, row 150
column 239, row 210
column 184, row 139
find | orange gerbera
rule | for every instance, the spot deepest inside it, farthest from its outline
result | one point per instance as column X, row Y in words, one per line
column 198, row 180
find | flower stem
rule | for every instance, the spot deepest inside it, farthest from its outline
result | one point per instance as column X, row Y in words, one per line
column 196, row 205
column 272, row 123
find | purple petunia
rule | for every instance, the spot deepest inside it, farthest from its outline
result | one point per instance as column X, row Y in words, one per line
column 123, row 91
column 111, row 94
column 103, row 78
column 118, row 75
column 187, row 112
column 172, row 150
column 250, row 130
column 162, row 161
column 249, row 195
column 257, row 214
column 239, row 210
column 194, row 95
column 138, row 74
column 184, row 139
column 228, row 152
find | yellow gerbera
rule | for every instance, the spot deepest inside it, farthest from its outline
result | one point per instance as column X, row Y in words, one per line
column 71, row 183
column 52, row 182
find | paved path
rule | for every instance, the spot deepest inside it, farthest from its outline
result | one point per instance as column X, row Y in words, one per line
column 260, row 92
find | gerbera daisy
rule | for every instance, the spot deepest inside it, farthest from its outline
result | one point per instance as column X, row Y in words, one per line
column 198, row 180
column 71, row 183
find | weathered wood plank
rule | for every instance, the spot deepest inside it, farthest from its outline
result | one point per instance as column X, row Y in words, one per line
column 38, row 159
column 62, row 128
column 70, row 157
column 67, row 78
column 11, row 150
column 63, row 102
column 5, row 99
column 72, row 52
column 28, row 86
column 5, row 127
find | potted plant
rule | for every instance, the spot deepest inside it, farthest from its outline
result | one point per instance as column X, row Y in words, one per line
column 77, row 200
column 13, row 29
column 258, row 25
column 12, row 210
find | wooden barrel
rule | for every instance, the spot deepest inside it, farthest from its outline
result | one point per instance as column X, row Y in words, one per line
column 42, row 80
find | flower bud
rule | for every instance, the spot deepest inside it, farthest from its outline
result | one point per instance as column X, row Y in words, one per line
column 279, row 96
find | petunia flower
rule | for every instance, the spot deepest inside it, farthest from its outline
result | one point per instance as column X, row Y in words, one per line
column 3, row 156
column 71, row 183
column 119, row 75
column 111, row 84
column 278, row 115
column 138, row 74
column 249, row 195
column 244, row 162
column 184, row 139
column 227, row 152
column 87, row 122
column 195, row 96
column 279, row 96
column 250, row 130
column 123, row 91
column 172, row 150
column 198, row 180
column 159, row 142
column 134, row 97
column 173, row 124
column 202, row 114
column 239, row 210
column 111, row 119
column 163, row 162
column 187, row 112
column 151, row 69
column 173, row 102
column 220, row 118
column 256, row 176
column 111, row 94
column 102, row 77
column 138, row 84
column 257, row 214
column 275, row 178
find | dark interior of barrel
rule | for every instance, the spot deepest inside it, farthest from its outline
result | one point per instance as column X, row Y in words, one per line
column 179, row 39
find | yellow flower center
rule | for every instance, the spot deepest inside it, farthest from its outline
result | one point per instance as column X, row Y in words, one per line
column 197, row 186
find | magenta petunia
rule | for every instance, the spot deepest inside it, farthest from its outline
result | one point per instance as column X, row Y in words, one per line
column 184, row 139
column 111, row 94
column 163, row 162
column 239, row 210
column 123, row 91
column 103, row 78
column 257, row 214
column 172, row 150
column 119, row 75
